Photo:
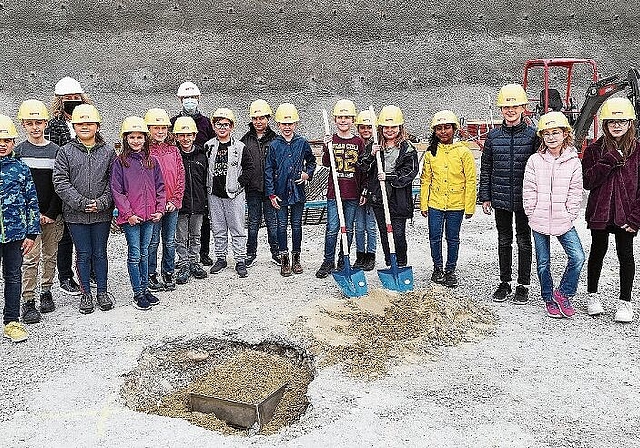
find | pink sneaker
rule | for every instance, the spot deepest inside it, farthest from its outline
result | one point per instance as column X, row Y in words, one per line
column 553, row 310
column 563, row 304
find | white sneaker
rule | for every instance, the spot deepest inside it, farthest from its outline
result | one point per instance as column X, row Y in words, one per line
column 624, row 312
column 594, row 306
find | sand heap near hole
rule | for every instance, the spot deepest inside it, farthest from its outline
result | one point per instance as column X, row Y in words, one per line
column 366, row 333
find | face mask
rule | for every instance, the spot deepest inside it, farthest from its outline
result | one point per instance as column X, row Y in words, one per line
column 69, row 105
column 190, row 104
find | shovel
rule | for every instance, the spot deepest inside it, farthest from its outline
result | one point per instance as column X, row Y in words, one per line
column 394, row 278
column 352, row 282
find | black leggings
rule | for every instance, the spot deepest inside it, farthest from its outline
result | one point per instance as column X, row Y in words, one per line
column 624, row 249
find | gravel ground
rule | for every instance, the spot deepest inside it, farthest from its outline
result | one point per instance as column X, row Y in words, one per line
column 536, row 382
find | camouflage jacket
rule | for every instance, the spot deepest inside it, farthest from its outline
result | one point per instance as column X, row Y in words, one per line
column 19, row 213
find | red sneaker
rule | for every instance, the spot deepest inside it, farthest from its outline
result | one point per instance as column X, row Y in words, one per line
column 563, row 304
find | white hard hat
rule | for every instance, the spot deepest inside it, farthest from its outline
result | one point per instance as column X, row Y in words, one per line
column 188, row 89
column 68, row 85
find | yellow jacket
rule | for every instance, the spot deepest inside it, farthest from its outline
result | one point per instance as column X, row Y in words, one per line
column 448, row 180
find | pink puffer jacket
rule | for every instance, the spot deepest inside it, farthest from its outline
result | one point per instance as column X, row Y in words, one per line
column 552, row 191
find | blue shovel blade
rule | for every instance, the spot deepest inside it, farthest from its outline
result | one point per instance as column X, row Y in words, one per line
column 396, row 278
column 352, row 282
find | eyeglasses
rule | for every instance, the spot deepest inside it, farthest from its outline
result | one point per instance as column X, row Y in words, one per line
column 617, row 122
column 554, row 134
column 219, row 125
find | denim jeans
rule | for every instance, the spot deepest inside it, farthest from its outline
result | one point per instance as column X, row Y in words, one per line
column 448, row 221
column 624, row 249
column 90, row 241
column 293, row 212
column 399, row 226
column 11, row 258
column 573, row 248
column 504, row 225
column 366, row 225
column 167, row 227
column 138, row 239
column 333, row 226
column 258, row 206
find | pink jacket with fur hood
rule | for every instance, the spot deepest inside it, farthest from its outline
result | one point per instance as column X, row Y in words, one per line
column 552, row 191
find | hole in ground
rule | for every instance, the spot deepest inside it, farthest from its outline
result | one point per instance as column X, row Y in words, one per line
column 166, row 374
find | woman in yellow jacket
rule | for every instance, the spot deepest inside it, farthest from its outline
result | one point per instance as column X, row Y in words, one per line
column 447, row 193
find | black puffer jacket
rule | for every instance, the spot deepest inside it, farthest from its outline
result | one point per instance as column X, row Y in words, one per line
column 195, row 181
column 503, row 161
column 255, row 150
column 398, row 184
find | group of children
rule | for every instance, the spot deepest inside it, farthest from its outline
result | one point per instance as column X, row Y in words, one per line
column 180, row 179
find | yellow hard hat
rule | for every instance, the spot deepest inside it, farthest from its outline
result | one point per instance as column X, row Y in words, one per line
column 85, row 113
column 133, row 124
column 617, row 109
column 157, row 117
column 512, row 95
column 33, row 110
column 223, row 112
column 344, row 108
column 445, row 117
column 7, row 128
column 260, row 108
column 390, row 116
column 553, row 120
column 287, row 113
column 366, row 118
column 185, row 125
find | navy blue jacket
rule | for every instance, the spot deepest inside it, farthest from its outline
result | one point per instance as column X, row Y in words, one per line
column 503, row 161
column 284, row 165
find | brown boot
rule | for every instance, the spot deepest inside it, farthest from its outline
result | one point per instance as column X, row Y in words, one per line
column 296, row 267
column 285, row 265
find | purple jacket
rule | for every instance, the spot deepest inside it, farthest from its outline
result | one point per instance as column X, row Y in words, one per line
column 615, row 186
column 552, row 191
column 137, row 190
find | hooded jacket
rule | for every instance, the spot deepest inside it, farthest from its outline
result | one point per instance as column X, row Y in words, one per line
column 195, row 181
column 136, row 189
column 235, row 165
column 255, row 151
column 170, row 161
column 285, row 163
column 552, row 191
column 19, row 213
column 81, row 175
column 614, row 199
column 398, row 183
column 448, row 180
column 504, row 158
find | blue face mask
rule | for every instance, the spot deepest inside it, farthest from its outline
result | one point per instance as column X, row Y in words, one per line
column 190, row 105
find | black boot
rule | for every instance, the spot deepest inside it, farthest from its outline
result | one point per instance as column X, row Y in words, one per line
column 285, row 265
column 360, row 258
column 369, row 262
column 296, row 267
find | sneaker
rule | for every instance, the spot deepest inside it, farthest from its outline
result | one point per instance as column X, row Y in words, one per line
column 437, row 276
column 153, row 300
column 104, row 301
column 325, row 269
column 183, row 275
column 624, row 312
column 594, row 306
column 70, row 286
column 206, row 260
column 169, row 283
column 141, row 302
column 553, row 310
column 15, row 331
column 241, row 269
column 502, row 293
column 275, row 258
column 219, row 265
column 521, row 296
column 563, row 303
column 249, row 260
column 451, row 280
column 30, row 314
column 46, row 302
column 86, row 303
column 197, row 271
column 154, row 284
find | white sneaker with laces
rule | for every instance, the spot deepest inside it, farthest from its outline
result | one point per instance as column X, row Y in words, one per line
column 624, row 312
column 594, row 306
